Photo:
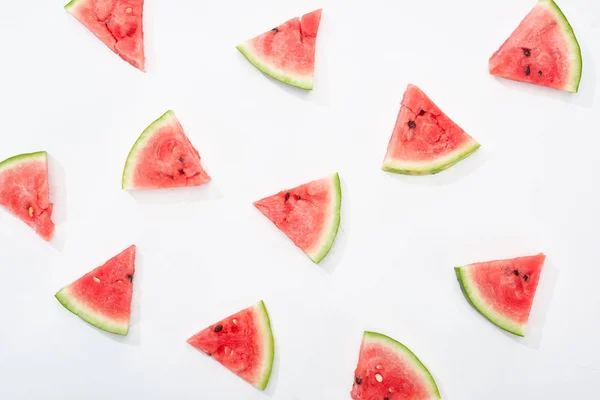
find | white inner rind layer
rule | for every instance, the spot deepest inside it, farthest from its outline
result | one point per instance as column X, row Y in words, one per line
column 268, row 345
column 132, row 159
column 301, row 81
column 430, row 166
column 330, row 228
column 484, row 307
column 77, row 307
column 573, row 45
column 408, row 356
column 13, row 162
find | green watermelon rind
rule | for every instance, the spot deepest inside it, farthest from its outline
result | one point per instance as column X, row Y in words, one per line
column 17, row 160
column 472, row 295
column 138, row 146
column 406, row 354
column 301, row 82
column 576, row 61
column 71, row 5
column 98, row 320
column 269, row 346
column 430, row 167
column 330, row 232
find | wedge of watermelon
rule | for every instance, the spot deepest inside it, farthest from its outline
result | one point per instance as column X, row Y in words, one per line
column 102, row 297
column 163, row 157
column 425, row 140
column 503, row 290
column 243, row 343
column 308, row 214
column 287, row 52
column 118, row 23
column 542, row 50
column 389, row 370
column 24, row 191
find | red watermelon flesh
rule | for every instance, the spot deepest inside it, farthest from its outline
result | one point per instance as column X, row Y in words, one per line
column 24, row 191
column 389, row 370
column 163, row 157
column 542, row 50
column 102, row 297
column 118, row 23
column 425, row 140
column 308, row 214
column 287, row 52
column 243, row 343
column 503, row 290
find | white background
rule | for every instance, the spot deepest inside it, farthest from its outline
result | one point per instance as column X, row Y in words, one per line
column 204, row 253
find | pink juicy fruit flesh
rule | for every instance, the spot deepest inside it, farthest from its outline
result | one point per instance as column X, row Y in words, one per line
column 303, row 214
column 434, row 135
column 238, row 346
column 24, row 192
column 118, row 23
column 168, row 160
column 541, row 36
column 507, row 292
column 291, row 46
column 396, row 373
column 107, row 289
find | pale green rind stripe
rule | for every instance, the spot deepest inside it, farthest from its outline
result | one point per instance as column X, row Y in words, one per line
column 576, row 61
column 430, row 167
column 405, row 353
column 23, row 158
column 95, row 319
column 474, row 298
column 330, row 232
column 130, row 163
column 268, row 343
column 71, row 5
column 302, row 83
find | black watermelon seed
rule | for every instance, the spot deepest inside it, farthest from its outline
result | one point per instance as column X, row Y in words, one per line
column 527, row 52
column 540, row 73
column 275, row 30
column 525, row 278
column 299, row 198
column 386, row 398
column 130, row 277
column 181, row 159
column 516, row 272
column 181, row 171
column 527, row 70
column 422, row 112
column 287, row 196
column 358, row 380
column 218, row 328
column 412, row 125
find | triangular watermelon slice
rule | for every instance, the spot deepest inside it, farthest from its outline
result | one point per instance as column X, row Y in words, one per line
column 243, row 343
column 542, row 50
column 389, row 370
column 425, row 140
column 308, row 214
column 163, row 157
column 24, row 191
column 102, row 297
column 118, row 23
column 503, row 290
column 287, row 52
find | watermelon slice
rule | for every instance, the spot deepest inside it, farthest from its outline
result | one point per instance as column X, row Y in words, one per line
column 503, row 290
column 243, row 343
column 118, row 23
column 542, row 50
column 163, row 157
column 287, row 52
column 102, row 297
column 389, row 370
column 425, row 140
column 24, row 191
column 308, row 214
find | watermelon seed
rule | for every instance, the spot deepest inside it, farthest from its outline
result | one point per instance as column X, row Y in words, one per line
column 234, row 321
column 218, row 328
column 299, row 198
column 128, row 10
column 96, row 280
column 527, row 52
column 412, row 125
column 181, row 159
column 379, row 378
column 378, row 366
column 31, row 211
column 516, row 272
column 287, row 196
column 386, row 398
column 527, row 70
column 358, row 380
column 181, row 171
column 525, row 278
column 275, row 30
column 422, row 112
column 130, row 277
column 540, row 73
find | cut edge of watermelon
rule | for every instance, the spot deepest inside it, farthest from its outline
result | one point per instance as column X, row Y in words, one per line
column 302, row 82
column 331, row 229
column 23, row 158
column 132, row 157
column 473, row 297
column 431, row 167
column 69, row 6
column 268, row 343
column 406, row 354
column 98, row 320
